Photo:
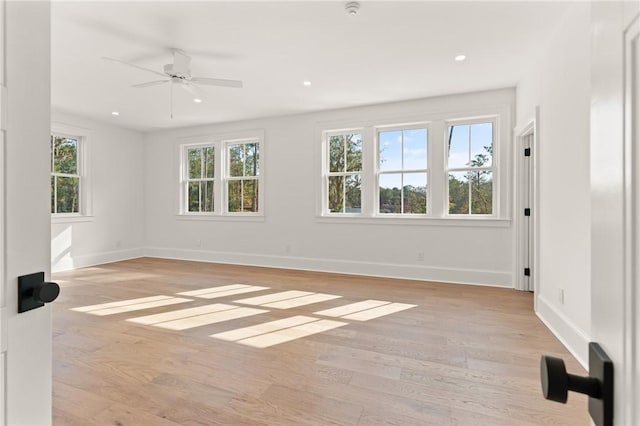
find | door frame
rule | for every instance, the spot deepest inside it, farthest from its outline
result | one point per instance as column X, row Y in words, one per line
column 631, row 292
column 532, row 127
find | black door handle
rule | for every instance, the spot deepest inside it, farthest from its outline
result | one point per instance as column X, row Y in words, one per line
column 34, row 291
column 556, row 383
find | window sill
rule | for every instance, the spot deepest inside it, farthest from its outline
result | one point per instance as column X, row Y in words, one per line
column 222, row 218
column 477, row 222
column 71, row 218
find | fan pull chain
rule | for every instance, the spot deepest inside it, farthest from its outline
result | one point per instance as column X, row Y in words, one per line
column 171, row 97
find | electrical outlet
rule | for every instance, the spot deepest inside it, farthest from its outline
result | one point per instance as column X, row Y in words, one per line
column 561, row 296
column 420, row 256
column 287, row 248
column 198, row 243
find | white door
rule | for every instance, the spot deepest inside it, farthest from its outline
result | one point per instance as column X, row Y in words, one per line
column 25, row 339
column 615, row 189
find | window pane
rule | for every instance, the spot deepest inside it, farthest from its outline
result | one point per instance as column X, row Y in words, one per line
column 207, row 196
column 481, row 144
column 390, row 193
column 353, row 203
column 336, row 154
column 458, row 193
column 236, row 160
column 354, row 153
column 250, row 195
column 458, row 146
column 415, row 149
column 390, row 150
column 209, row 161
column 336, row 194
column 235, row 196
column 251, row 161
column 65, row 155
column 195, row 164
column 481, row 192
column 67, row 192
column 414, row 193
column 193, row 195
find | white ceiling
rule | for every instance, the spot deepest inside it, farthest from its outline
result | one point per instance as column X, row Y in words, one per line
column 389, row 51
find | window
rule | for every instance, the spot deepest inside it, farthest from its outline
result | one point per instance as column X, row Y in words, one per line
column 447, row 169
column 65, row 174
column 200, row 179
column 344, row 169
column 222, row 176
column 402, row 171
column 470, row 168
column 243, row 170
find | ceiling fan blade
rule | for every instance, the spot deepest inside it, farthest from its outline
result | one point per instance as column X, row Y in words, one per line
column 216, row 82
column 151, row 83
column 134, row 66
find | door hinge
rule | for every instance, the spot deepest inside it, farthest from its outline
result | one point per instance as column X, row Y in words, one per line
column 527, row 211
column 527, row 272
column 527, row 152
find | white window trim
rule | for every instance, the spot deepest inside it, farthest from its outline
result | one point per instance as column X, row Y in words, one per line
column 227, row 178
column 326, row 173
column 184, row 175
column 427, row 170
column 495, row 159
column 220, row 143
column 84, row 171
column 437, row 181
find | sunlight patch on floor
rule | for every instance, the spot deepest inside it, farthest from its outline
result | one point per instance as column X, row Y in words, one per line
column 223, row 291
column 284, row 331
column 130, row 305
column 366, row 310
column 211, row 318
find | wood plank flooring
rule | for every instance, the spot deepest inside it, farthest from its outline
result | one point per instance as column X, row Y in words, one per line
column 465, row 355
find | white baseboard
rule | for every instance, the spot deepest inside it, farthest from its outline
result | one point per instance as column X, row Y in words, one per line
column 387, row 270
column 570, row 335
column 83, row 261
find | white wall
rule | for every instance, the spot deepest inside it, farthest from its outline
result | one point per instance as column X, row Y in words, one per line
column 114, row 230
column 453, row 253
column 559, row 82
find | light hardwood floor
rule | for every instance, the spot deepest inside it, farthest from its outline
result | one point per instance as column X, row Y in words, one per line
column 464, row 355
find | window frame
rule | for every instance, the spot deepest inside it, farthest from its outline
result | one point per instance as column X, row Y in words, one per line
column 186, row 180
column 494, row 120
column 326, row 173
column 85, row 194
column 427, row 170
column 436, row 122
column 228, row 178
column 220, row 142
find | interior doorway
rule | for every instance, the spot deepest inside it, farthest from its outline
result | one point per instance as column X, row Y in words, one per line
column 525, row 206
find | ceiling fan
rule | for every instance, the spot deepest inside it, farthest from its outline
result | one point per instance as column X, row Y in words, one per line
column 179, row 72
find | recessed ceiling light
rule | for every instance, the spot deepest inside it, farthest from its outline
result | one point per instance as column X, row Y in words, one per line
column 460, row 58
column 306, row 83
column 197, row 100
column 115, row 113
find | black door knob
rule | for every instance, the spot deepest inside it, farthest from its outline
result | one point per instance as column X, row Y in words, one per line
column 46, row 292
column 556, row 383
column 34, row 291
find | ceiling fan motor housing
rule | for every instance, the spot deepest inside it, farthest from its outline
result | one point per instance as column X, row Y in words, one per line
column 172, row 71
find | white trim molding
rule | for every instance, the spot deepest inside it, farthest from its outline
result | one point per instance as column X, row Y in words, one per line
column 387, row 270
